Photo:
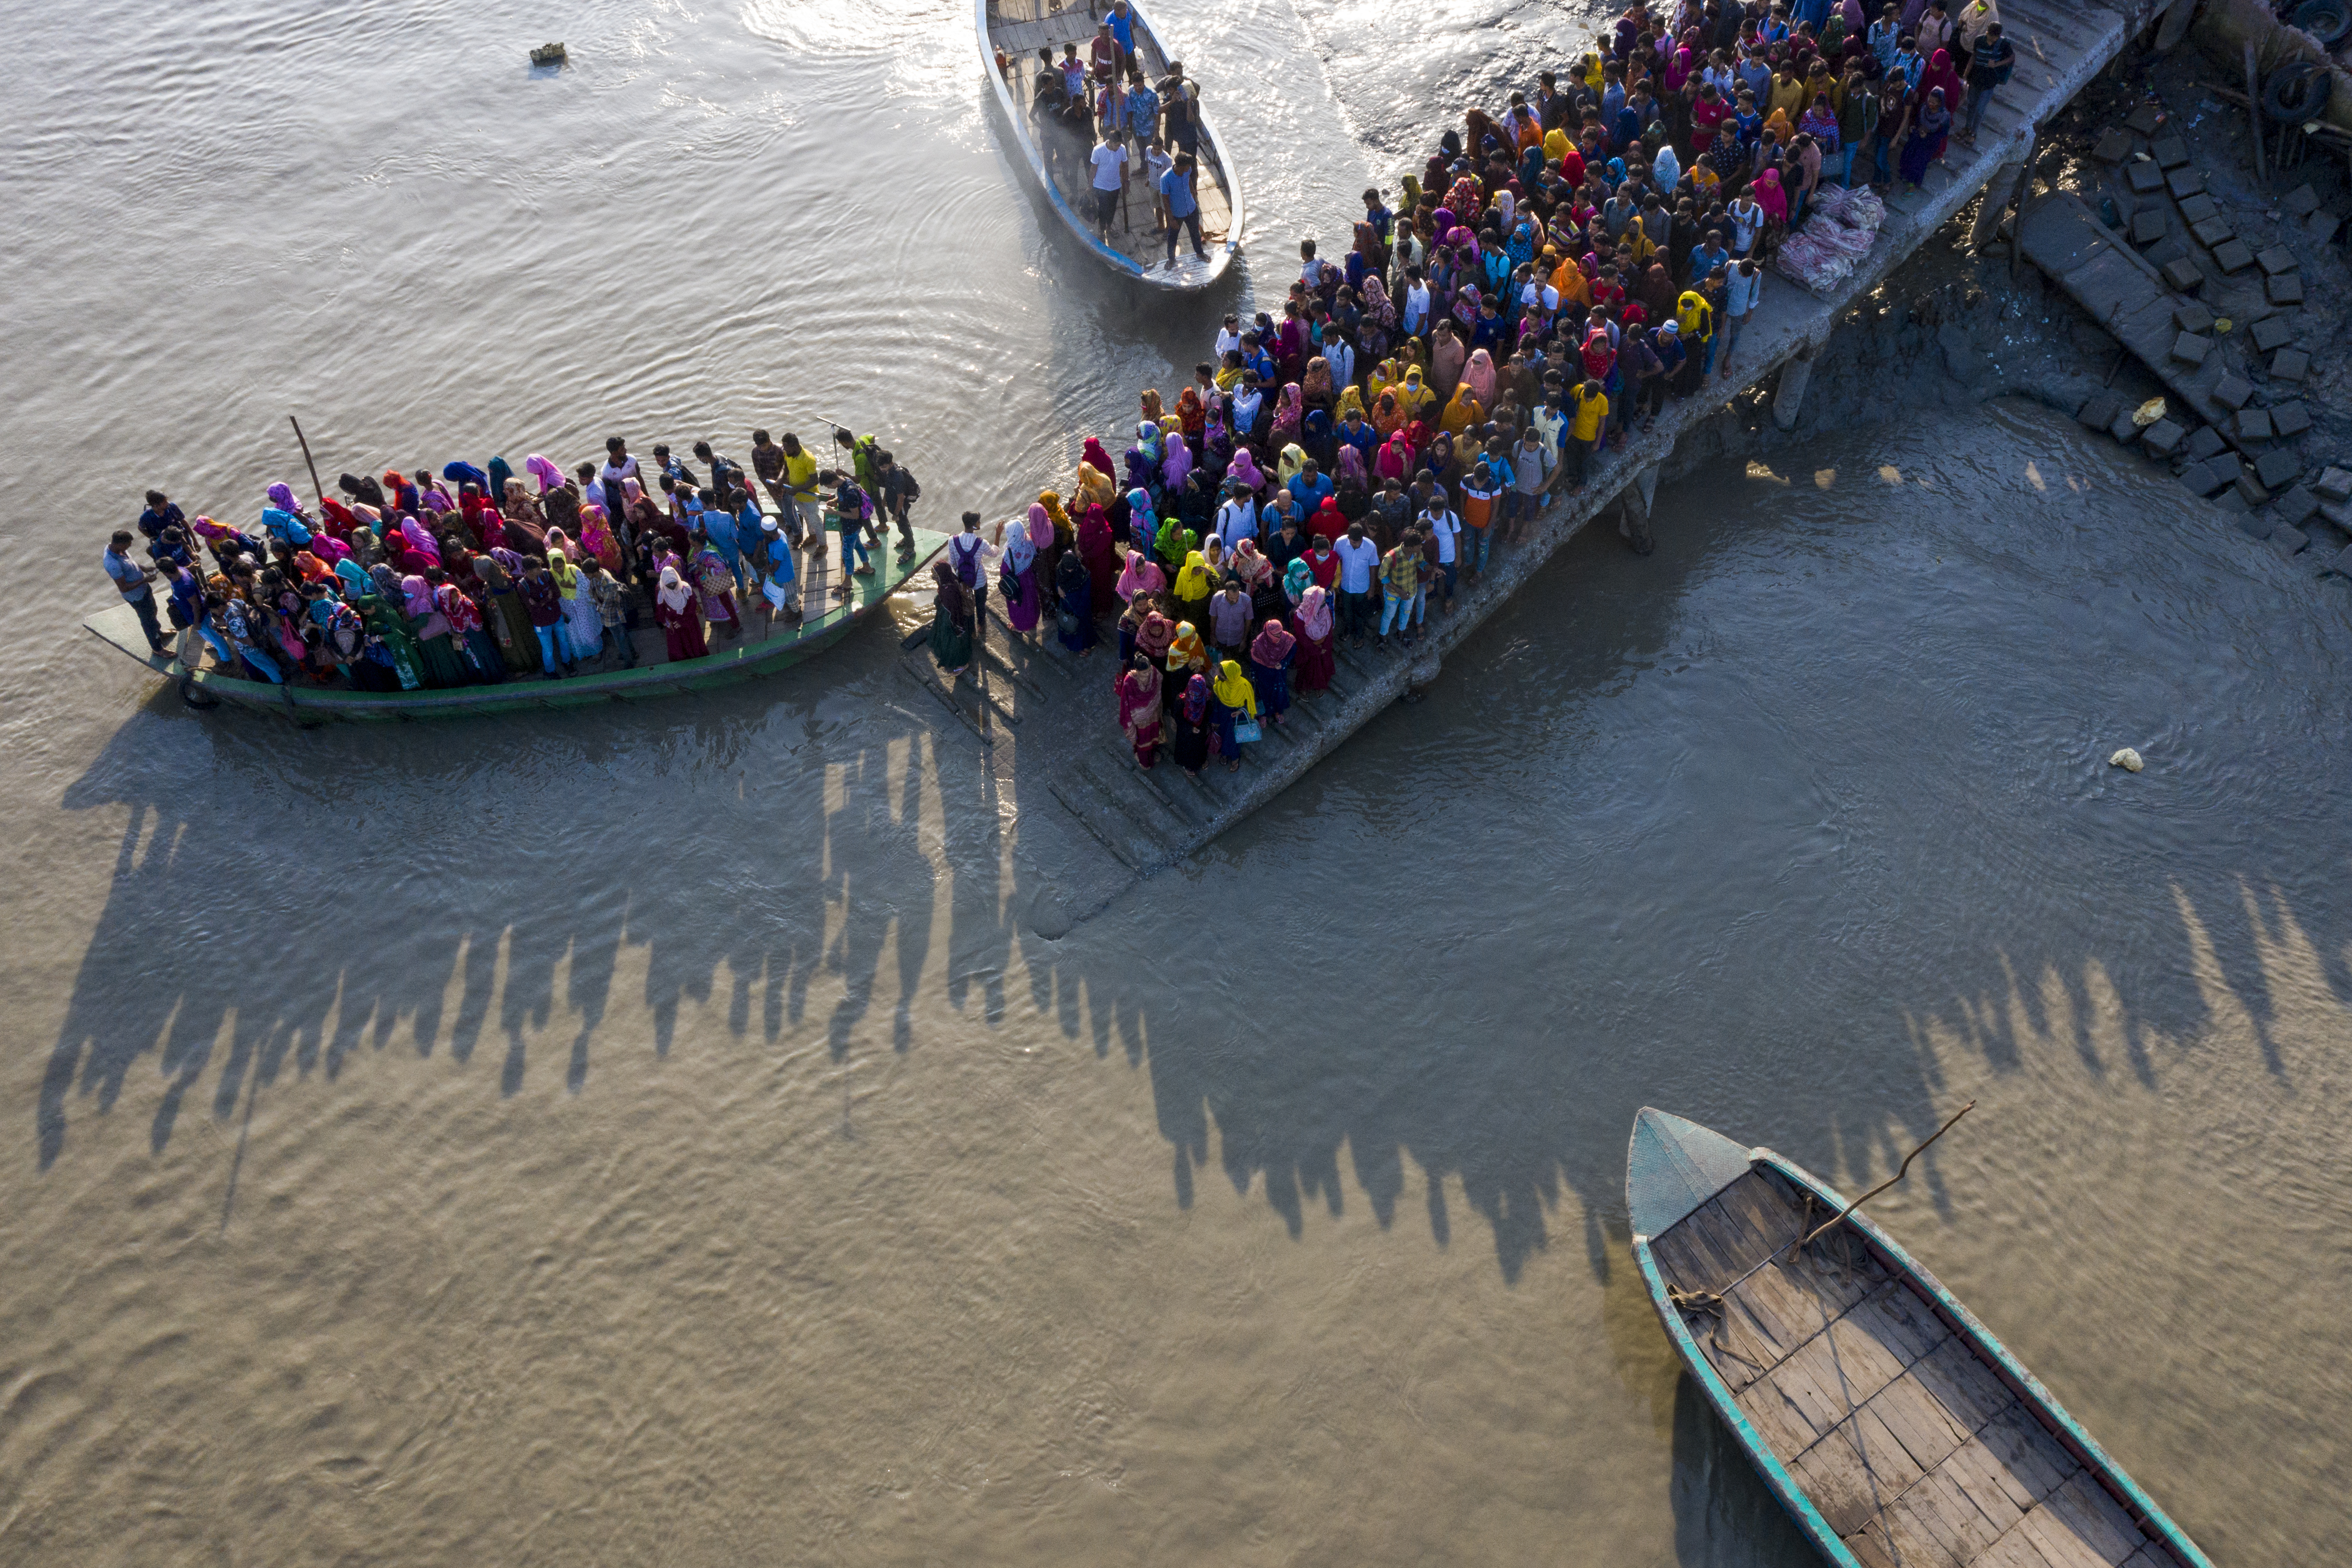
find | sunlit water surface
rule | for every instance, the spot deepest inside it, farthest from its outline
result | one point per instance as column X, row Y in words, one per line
column 657, row 1135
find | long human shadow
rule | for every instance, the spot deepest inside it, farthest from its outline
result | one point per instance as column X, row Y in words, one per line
column 318, row 896
column 457, row 889
column 1791, row 1001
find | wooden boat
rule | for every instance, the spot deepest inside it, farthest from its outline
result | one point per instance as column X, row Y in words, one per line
column 653, row 676
column 1018, row 28
column 1893, row 1427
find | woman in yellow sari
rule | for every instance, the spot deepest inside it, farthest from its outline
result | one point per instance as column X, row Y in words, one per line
column 1194, row 585
column 1638, row 242
column 1095, row 489
column 1416, row 398
column 1463, row 412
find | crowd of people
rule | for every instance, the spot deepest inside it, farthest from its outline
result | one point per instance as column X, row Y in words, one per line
column 1546, row 281
column 1098, row 119
column 404, row 582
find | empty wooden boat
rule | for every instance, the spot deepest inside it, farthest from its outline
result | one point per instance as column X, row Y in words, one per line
column 1014, row 31
column 1893, row 1427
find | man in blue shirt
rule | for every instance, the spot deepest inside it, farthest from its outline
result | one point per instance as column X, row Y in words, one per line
column 161, row 514
column 1122, row 28
column 1309, row 489
column 1184, row 206
column 133, row 579
column 1706, row 258
column 1255, row 358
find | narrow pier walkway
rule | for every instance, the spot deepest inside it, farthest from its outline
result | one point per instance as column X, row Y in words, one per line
column 1047, row 717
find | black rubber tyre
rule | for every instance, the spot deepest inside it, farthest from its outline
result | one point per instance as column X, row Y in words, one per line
column 2329, row 21
column 2296, row 92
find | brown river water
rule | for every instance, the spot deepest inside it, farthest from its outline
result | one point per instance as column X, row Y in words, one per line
column 657, row 1135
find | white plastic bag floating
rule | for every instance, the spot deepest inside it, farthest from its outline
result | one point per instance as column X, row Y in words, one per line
column 2127, row 760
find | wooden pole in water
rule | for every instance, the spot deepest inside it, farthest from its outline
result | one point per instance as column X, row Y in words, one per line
column 2254, row 112
column 306, row 456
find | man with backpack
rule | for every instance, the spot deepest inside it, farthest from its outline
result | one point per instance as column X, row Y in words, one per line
column 1989, row 67
column 965, row 551
column 898, row 491
column 852, row 513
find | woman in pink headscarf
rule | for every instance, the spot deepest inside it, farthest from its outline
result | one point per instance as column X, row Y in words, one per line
column 1096, row 457
column 1311, row 625
column 597, row 536
column 549, row 475
column 1141, row 574
column 420, row 542
column 1286, row 416
column 1479, row 376
column 1246, row 471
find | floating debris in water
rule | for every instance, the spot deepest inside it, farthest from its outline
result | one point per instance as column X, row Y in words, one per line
column 549, row 55
column 2127, row 760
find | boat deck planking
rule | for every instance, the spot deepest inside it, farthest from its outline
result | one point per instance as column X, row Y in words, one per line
column 1913, row 1448
column 1021, row 27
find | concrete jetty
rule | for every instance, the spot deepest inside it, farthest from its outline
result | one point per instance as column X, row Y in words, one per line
column 1047, row 715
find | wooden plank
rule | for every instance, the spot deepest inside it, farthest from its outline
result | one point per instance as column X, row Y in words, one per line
column 2017, row 1549
column 1742, row 1228
column 2094, row 1517
column 1831, row 1376
column 1869, row 1548
column 1726, row 1337
column 1903, row 1551
column 2026, row 1449
column 1789, row 1409
column 1677, row 1259
column 2153, row 1556
column 1937, row 1514
column 1927, row 1431
column 1782, row 1314
column 1998, row 1494
column 1897, row 1319
column 1856, row 1472
column 1971, row 1391
column 2055, row 1539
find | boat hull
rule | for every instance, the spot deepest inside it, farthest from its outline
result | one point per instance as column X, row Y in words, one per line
column 1671, row 1164
column 1188, row 276
column 118, row 627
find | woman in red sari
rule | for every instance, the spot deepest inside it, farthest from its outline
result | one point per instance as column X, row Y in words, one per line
column 1311, row 625
column 1095, row 539
column 1138, row 710
column 681, row 618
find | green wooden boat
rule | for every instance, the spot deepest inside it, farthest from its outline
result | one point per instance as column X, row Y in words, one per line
column 1890, row 1423
column 752, row 654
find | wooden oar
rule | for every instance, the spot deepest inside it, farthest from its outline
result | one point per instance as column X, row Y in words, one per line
column 306, row 456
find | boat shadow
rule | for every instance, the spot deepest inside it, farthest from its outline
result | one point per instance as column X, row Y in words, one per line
column 813, row 851
column 283, row 902
column 1725, row 1516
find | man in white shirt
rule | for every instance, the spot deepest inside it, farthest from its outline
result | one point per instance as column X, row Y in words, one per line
column 1340, row 356
column 1237, row 518
column 1359, row 558
column 1109, row 161
column 1416, row 302
column 1743, row 290
column 619, row 467
column 1439, row 524
column 1229, row 337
